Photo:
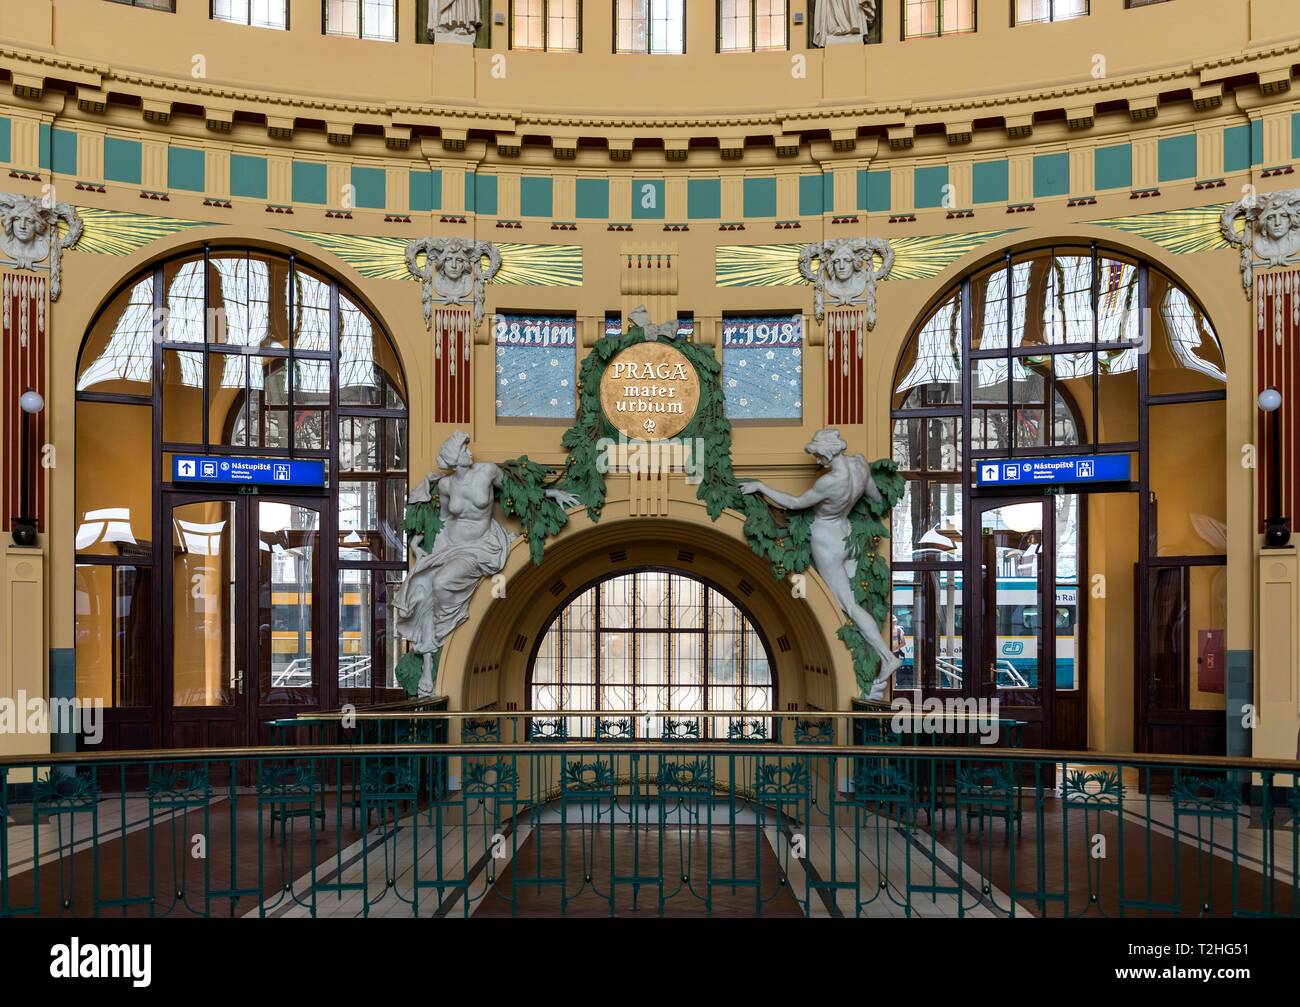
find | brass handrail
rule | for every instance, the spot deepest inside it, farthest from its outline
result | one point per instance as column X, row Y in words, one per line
column 1216, row 763
column 333, row 715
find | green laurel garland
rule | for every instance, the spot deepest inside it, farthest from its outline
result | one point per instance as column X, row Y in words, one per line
column 781, row 537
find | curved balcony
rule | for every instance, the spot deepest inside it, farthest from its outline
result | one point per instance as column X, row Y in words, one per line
column 800, row 814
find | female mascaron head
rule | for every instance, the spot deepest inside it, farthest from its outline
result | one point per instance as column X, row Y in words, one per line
column 826, row 445
column 455, row 451
column 27, row 226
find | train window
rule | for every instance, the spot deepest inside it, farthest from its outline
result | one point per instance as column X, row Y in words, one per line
column 349, row 618
column 1064, row 617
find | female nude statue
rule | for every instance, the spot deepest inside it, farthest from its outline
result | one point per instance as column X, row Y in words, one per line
column 471, row 545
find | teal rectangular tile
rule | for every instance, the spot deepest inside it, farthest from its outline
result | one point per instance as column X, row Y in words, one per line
column 990, row 182
column 1239, row 689
column 247, row 176
column 369, row 188
column 930, row 186
column 122, row 160
column 648, row 199
column 1236, row 148
column 186, row 169
column 484, row 189
column 875, row 192
column 1051, row 175
column 308, row 180
column 425, row 191
column 58, row 150
column 63, row 685
column 1295, row 135
column 591, row 199
column 759, row 197
column 1112, row 167
column 810, row 195
column 1176, row 157
column 703, row 198
column 6, row 139
column 536, row 196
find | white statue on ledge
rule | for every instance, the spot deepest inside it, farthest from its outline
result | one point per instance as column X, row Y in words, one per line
column 471, row 545
column 838, row 21
column 832, row 497
column 455, row 21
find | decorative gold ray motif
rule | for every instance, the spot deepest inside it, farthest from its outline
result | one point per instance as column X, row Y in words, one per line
column 540, row 265
column 757, row 266
column 521, row 264
column 115, row 232
column 928, row 255
column 778, row 265
column 1195, row 229
column 378, row 258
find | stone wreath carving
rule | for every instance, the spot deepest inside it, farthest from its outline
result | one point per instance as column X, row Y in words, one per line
column 1271, row 236
column 31, row 234
column 848, row 273
column 453, row 272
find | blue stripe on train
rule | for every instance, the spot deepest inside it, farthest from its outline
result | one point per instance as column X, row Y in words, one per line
column 1064, row 671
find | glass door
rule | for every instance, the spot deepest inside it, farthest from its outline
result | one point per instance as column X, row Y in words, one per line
column 244, row 621
column 205, row 639
column 286, row 609
column 1014, row 636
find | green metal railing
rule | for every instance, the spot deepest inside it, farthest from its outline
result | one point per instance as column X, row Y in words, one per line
column 496, row 813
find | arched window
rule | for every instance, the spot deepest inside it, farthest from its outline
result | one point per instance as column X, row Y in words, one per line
column 651, row 641
column 235, row 353
column 1056, row 352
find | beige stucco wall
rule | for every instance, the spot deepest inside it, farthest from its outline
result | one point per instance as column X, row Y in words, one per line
column 841, row 116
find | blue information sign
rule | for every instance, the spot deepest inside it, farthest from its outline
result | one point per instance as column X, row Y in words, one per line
column 1053, row 471
column 225, row 471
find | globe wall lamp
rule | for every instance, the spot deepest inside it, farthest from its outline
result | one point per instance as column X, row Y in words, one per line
column 1276, row 532
column 24, row 530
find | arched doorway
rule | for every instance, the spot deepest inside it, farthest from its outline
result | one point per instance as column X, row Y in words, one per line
column 208, row 602
column 640, row 643
column 1033, row 594
column 486, row 662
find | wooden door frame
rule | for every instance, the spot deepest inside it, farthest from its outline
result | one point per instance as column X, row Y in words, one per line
column 324, row 613
column 975, row 642
column 169, row 500
column 249, row 712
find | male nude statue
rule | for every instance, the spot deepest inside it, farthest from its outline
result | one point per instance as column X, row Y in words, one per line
column 831, row 498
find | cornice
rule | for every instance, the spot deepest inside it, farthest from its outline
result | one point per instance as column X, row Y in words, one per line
column 844, row 119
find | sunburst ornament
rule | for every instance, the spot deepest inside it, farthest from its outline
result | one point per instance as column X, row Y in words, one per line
column 916, row 258
column 384, row 258
column 1183, row 232
column 115, row 232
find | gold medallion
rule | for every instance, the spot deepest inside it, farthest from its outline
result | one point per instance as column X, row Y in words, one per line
column 650, row 391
